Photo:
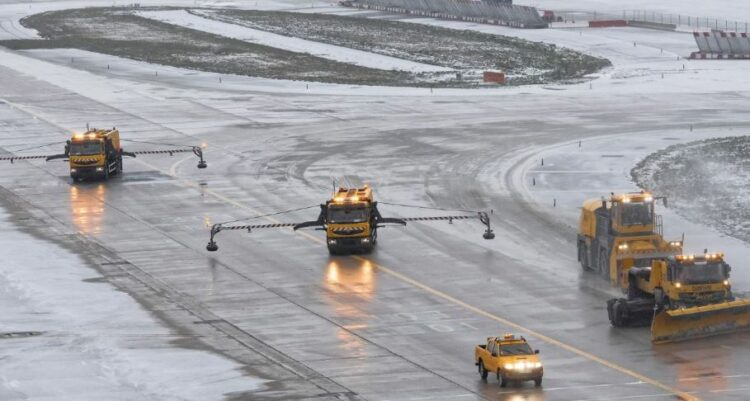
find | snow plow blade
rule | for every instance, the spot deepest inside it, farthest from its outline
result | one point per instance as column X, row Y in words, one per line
column 700, row 321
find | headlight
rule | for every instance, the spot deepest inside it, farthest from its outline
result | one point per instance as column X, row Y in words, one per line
column 365, row 240
column 726, row 282
column 537, row 364
column 73, row 170
column 331, row 242
column 622, row 246
column 508, row 366
column 678, row 285
column 100, row 169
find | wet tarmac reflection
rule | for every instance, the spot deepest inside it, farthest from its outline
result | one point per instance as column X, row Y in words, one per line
column 87, row 204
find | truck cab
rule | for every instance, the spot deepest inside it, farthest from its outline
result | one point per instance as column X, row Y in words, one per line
column 350, row 217
column 510, row 358
column 95, row 154
column 685, row 280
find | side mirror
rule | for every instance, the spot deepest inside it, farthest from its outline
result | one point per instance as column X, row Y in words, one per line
column 494, row 354
column 536, row 351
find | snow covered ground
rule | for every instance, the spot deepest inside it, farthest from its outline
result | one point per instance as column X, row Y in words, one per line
column 706, row 181
column 116, row 361
column 90, row 341
column 331, row 52
column 573, row 174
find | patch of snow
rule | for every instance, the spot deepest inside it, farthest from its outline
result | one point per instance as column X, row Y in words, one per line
column 331, row 52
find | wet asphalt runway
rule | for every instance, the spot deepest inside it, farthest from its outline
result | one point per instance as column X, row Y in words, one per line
column 401, row 323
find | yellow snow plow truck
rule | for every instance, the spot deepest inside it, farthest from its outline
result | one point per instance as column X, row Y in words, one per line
column 682, row 297
column 351, row 220
column 97, row 153
column 620, row 233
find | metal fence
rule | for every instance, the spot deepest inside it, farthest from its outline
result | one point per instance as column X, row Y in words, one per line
column 493, row 12
column 671, row 21
column 685, row 21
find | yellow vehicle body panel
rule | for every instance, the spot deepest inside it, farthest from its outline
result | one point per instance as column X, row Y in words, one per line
column 587, row 223
column 701, row 321
column 349, row 230
column 87, row 161
column 626, row 250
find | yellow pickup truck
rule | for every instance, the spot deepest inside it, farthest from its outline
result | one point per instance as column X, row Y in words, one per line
column 510, row 358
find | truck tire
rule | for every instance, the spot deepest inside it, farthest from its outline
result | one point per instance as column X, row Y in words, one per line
column 538, row 382
column 603, row 263
column 482, row 370
column 367, row 249
column 582, row 257
column 659, row 298
column 633, row 290
column 618, row 312
column 501, row 380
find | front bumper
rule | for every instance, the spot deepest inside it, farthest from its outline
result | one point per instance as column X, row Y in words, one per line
column 87, row 172
column 524, row 375
column 349, row 244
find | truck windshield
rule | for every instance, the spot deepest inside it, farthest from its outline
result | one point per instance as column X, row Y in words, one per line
column 85, row 148
column 347, row 215
column 515, row 349
column 637, row 213
column 699, row 273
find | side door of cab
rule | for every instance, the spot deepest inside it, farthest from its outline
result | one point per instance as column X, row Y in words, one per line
column 494, row 351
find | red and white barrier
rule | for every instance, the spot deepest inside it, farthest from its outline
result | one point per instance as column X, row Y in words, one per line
column 720, row 45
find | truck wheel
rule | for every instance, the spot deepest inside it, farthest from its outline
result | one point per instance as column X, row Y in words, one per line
column 619, row 313
column 603, row 264
column 482, row 371
column 501, row 380
column 538, row 382
column 659, row 297
column 582, row 251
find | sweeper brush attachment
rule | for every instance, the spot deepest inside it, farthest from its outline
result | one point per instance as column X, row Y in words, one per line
column 700, row 321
